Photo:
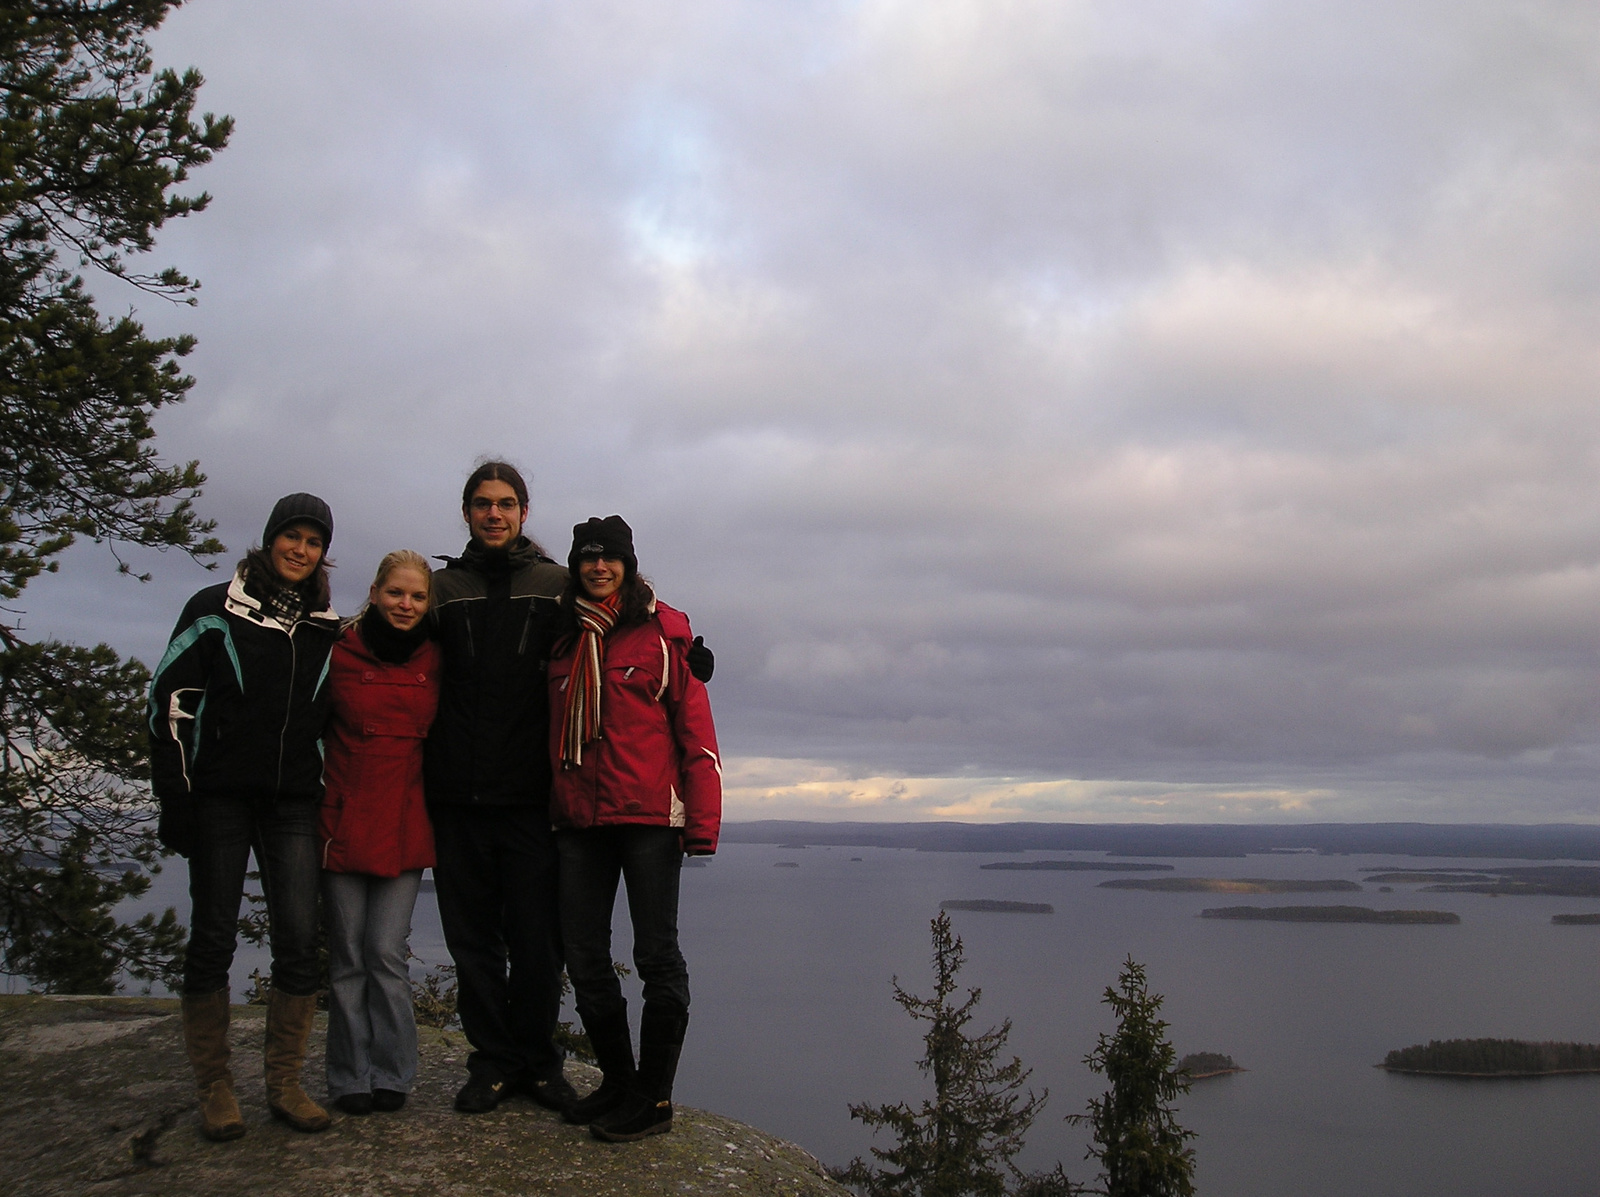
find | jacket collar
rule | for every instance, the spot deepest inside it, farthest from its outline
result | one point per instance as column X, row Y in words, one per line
column 242, row 603
column 475, row 557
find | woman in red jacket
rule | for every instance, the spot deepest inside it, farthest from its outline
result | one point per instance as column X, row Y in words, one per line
column 638, row 784
column 376, row 839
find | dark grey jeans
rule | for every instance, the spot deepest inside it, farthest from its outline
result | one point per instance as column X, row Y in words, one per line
column 283, row 836
column 648, row 860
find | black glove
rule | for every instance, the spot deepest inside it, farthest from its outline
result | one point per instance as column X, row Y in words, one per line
column 176, row 827
column 701, row 661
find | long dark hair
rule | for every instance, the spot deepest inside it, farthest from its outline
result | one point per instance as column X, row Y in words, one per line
column 637, row 597
column 259, row 575
column 495, row 471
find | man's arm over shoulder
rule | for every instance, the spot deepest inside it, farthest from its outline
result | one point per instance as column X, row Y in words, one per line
column 542, row 579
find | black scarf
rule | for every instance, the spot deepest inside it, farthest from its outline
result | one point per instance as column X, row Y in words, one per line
column 387, row 642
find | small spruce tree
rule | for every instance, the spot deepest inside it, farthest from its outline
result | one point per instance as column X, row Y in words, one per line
column 963, row 1140
column 1137, row 1139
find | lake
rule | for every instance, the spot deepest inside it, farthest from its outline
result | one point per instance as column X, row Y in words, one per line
column 793, row 1016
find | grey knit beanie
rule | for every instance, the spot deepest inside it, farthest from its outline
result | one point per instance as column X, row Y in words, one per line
column 299, row 508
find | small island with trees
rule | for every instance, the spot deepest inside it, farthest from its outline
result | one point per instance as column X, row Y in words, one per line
column 996, row 906
column 1329, row 914
column 1575, row 920
column 1200, row 1066
column 1493, row 1058
column 1077, row 866
column 1235, row 885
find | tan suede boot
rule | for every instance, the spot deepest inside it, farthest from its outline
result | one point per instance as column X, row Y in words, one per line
column 205, row 1034
column 288, row 1028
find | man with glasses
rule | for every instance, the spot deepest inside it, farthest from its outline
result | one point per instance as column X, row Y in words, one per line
column 488, row 784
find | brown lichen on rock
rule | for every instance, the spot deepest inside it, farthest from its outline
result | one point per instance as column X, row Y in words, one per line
column 97, row 1098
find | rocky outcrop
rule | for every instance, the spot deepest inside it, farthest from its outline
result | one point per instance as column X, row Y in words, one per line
column 96, row 1097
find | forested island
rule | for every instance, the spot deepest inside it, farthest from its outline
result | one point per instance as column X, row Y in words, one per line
column 1493, row 1058
column 1575, row 920
column 1329, row 914
column 1078, row 866
column 996, row 906
column 1238, row 885
column 1201, row 1065
column 1563, row 881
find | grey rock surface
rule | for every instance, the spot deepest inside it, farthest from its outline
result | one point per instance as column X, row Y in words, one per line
column 96, row 1097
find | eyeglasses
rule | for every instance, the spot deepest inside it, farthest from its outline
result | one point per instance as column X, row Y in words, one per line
column 504, row 506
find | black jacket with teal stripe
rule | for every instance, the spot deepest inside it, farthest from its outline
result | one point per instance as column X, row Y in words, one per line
column 238, row 703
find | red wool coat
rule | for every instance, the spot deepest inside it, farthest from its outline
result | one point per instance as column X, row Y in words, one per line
column 656, row 761
column 373, row 819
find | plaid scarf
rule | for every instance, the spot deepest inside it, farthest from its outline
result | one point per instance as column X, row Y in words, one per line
column 581, row 716
column 284, row 604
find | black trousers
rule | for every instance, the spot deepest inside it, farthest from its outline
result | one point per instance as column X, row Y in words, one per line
column 648, row 860
column 496, row 884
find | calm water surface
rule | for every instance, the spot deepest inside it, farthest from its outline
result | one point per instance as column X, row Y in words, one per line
column 793, row 1016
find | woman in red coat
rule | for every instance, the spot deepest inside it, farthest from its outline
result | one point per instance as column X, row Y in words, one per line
column 376, row 839
column 637, row 784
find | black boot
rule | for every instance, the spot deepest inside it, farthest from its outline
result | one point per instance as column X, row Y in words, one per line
column 647, row 1108
column 613, row 1051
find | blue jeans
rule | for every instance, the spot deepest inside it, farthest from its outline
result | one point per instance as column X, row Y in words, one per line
column 283, row 836
column 495, row 880
column 372, row 1028
column 649, row 860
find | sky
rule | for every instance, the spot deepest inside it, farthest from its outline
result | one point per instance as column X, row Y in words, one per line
column 1118, row 411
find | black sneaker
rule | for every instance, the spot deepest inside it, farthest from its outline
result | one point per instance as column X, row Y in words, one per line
column 354, row 1103
column 554, row 1094
column 387, row 1101
column 480, row 1095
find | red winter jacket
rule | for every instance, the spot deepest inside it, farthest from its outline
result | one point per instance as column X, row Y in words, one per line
column 373, row 818
column 656, row 761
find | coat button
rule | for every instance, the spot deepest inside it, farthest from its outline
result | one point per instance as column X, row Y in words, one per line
column 422, row 677
column 368, row 676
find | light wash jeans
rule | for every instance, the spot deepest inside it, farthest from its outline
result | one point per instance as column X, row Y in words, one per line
column 372, row 1030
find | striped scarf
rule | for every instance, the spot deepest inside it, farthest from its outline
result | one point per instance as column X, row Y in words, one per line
column 581, row 718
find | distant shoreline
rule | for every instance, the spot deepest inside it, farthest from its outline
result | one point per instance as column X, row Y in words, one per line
column 1235, row 885
column 1331, row 914
column 1489, row 1076
column 1547, row 841
column 1491, row 1059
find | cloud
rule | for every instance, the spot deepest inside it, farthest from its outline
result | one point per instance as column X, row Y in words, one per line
column 1105, row 397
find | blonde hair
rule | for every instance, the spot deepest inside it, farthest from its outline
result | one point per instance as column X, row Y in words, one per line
column 404, row 559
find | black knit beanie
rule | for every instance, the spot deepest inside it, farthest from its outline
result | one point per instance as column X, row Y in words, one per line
column 299, row 508
column 609, row 537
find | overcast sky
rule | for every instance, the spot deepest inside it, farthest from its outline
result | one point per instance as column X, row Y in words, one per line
column 1110, row 411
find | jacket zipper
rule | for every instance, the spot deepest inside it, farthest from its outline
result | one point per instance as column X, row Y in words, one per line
column 526, row 620
column 288, row 705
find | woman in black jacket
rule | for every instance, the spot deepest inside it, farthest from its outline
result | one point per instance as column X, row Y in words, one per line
column 237, row 706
